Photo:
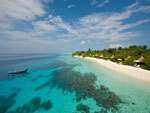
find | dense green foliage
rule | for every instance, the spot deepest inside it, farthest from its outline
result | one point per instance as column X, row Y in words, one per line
column 127, row 55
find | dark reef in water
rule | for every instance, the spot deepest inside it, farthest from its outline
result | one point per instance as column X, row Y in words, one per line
column 43, row 85
column 103, row 111
column 7, row 102
column 16, row 89
column 83, row 108
column 83, row 85
column 36, row 78
column 33, row 105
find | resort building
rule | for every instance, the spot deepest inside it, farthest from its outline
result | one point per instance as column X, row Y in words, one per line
column 101, row 56
column 139, row 61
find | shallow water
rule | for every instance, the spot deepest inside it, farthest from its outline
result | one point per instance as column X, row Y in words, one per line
column 62, row 84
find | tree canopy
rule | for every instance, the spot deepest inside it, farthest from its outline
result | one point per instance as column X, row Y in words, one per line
column 126, row 55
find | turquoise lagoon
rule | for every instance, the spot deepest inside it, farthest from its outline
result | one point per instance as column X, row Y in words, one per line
column 62, row 84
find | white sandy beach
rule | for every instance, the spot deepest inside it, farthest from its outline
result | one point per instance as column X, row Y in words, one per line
column 137, row 73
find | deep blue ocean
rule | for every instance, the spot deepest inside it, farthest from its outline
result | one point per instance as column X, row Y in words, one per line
column 62, row 84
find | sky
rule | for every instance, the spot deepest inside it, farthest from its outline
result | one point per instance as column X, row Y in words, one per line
column 65, row 26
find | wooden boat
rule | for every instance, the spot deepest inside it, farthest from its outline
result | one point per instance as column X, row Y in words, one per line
column 18, row 71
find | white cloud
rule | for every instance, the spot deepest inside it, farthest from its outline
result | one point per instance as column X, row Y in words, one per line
column 133, row 5
column 58, row 21
column 102, row 26
column 82, row 42
column 103, row 3
column 99, row 4
column 12, row 11
column 20, row 9
column 115, row 46
column 110, row 26
column 118, row 45
column 71, row 6
column 27, row 38
column 50, row 16
column 98, row 26
column 44, row 26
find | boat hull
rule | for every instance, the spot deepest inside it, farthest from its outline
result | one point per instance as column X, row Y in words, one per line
column 18, row 71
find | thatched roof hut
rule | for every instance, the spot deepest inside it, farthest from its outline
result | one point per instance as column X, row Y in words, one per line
column 96, row 55
column 101, row 56
column 140, row 60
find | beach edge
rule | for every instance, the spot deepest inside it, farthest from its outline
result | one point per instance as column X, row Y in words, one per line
column 133, row 72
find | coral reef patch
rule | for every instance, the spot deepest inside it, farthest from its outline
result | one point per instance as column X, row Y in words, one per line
column 33, row 105
column 7, row 102
column 83, row 85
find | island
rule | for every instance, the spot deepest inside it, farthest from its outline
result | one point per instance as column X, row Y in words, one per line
column 133, row 60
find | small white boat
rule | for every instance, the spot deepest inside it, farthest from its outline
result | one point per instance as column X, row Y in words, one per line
column 18, row 71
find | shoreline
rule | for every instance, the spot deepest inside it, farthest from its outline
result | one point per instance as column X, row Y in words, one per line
column 134, row 72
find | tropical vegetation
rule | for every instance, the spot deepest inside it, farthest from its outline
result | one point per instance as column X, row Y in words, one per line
column 127, row 55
